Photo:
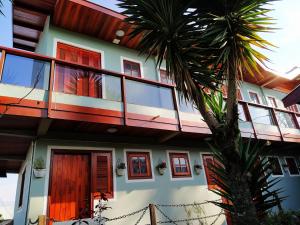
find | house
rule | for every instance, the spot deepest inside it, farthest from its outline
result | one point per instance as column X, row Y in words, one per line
column 76, row 95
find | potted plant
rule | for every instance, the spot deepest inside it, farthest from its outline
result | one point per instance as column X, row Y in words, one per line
column 121, row 167
column 197, row 168
column 161, row 167
column 39, row 168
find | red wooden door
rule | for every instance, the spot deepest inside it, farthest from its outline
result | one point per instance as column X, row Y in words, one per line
column 70, row 186
column 78, row 81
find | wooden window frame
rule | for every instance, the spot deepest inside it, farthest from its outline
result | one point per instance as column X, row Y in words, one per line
column 293, row 108
column 184, row 155
column 281, row 169
column 22, row 186
column 145, row 176
column 273, row 99
column 294, row 158
column 132, row 62
column 250, row 92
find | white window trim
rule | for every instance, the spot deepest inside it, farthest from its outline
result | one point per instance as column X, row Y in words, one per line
column 280, row 164
column 276, row 100
column 101, row 52
column 72, row 148
column 259, row 98
column 126, row 163
column 292, row 175
column 169, row 165
column 122, row 58
column 158, row 72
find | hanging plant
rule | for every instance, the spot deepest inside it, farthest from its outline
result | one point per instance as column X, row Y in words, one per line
column 39, row 168
column 161, row 167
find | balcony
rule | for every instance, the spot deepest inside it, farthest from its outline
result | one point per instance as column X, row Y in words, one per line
column 36, row 86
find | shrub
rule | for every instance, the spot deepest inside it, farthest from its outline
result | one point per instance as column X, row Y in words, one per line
column 282, row 218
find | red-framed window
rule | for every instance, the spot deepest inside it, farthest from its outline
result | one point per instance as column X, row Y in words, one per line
column 76, row 81
column 238, row 93
column 293, row 108
column 292, row 165
column 272, row 101
column 132, row 68
column 164, row 78
column 254, row 97
column 275, row 166
column 139, row 165
column 180, row 165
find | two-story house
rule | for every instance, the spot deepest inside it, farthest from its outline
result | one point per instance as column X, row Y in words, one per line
column 76, row 96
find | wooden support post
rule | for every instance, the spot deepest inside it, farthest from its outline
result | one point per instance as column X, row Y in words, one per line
column 2, row 59
column 176, row 107
column 51, row 86
column 42, row 220
column 123, row 92
column 152, row 214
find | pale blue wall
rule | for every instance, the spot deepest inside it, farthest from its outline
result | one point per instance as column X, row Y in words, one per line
column 133, row 196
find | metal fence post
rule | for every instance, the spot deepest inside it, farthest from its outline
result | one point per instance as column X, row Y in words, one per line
column 152, row 214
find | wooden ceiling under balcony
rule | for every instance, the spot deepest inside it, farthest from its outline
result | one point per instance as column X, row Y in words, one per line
column 29, row 17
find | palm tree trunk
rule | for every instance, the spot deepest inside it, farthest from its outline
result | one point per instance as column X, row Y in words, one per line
column 228, row 141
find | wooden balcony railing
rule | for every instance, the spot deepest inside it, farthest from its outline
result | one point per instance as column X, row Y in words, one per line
column 64, row 90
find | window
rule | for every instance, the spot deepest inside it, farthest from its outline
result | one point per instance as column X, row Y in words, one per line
column 293, row 108
column 102, row 174
column 275, row 166
column 139, row 166
column 132, row 68
column 180, row 165
column 292, row 165
column 22, row 189
column 242, row 114
column 285, row 120
column 254, row 97
column 208, row 161
column 238, row 93
column 71, row 80
column 272, row 101
column 164, row 78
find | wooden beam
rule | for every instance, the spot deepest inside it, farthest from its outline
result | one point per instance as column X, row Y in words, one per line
column 32, row 7
column 43, row 127
column 168, row 137
column 18, row 133
column 28, row 25
column 13, row 157
column 24, row 47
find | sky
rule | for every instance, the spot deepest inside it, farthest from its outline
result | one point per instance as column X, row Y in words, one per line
column 283, row 59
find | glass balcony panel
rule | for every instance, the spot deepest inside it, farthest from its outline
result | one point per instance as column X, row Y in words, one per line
column 242, row 115
column 187, row 106
column 285, row 120
column 26, row 72
column 261, row 115
column 149, row 95
column 87, row 83
column 298, row 119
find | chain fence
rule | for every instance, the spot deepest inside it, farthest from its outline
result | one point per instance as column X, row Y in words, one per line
column 166, row 219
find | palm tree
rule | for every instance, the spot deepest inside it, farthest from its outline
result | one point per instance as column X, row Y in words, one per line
column 207, row 43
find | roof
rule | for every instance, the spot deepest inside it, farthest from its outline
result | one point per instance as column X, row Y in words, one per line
column 292, row 98
column 29, row 17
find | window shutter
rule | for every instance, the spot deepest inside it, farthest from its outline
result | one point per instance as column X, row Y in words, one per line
column 207, row 161
column 102, row 176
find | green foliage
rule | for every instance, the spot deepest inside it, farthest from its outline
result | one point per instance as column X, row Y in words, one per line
column 257, row 171
column 282, row 218
column 216, row 103
column 201, row 40
column 39, row 163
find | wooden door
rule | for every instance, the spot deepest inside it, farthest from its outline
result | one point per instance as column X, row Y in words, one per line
column 69, row 191
column 77, row 81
